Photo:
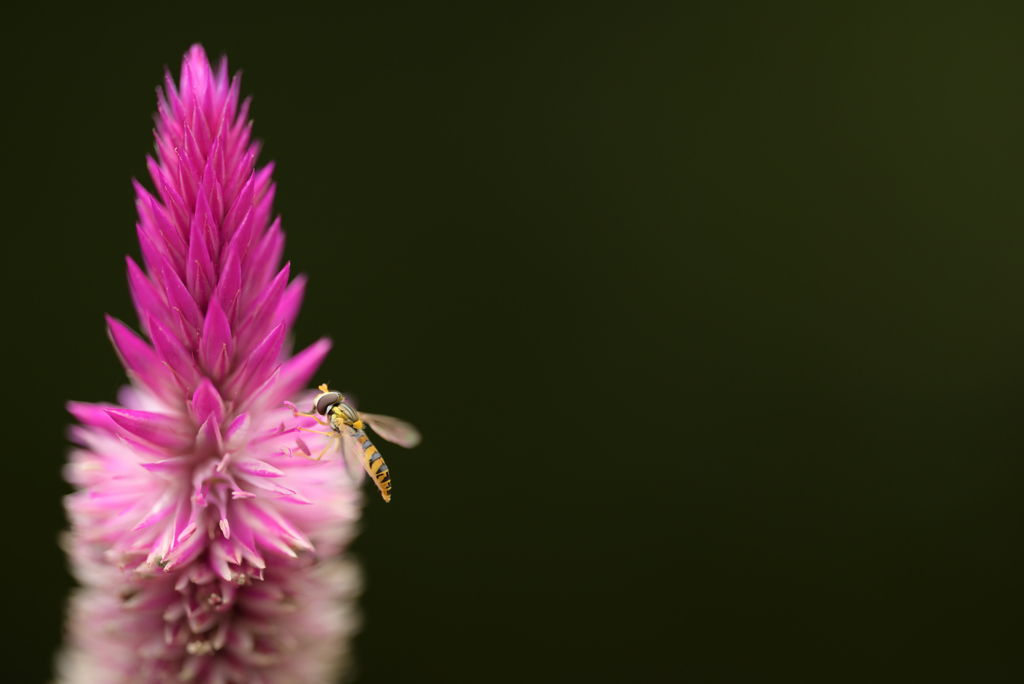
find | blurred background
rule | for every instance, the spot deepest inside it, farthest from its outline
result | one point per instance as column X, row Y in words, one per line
column 712, row 320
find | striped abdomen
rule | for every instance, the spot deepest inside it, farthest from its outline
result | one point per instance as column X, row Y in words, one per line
column 374, row 464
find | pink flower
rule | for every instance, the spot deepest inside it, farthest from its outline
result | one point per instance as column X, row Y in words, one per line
column 207, row 542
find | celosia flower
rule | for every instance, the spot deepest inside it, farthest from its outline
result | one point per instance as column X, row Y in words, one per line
column 207, row 543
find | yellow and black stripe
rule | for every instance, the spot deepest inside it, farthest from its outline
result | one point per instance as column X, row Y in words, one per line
column 374, row 464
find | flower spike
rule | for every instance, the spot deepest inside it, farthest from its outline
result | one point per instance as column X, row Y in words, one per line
column 208, row 545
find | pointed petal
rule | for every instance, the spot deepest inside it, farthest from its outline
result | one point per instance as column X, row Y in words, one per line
column 262, row 310
column 266, row 517
column 172, row 470
column 206, row 403
column 94, row 415
column 140, row 360
column 182, row 302
column 208, row 439
column 144, row 294
column 159, row 510
column 172, row 236
column 185, row 552
column 291, row 302
column 229, row 289
column 152, row 255
column 297, row 371
column 156, row 428
column 262, row 359
column 241, row 207
column 173, row 353
column 256, row 467
column 238, row 430
column 269, row 485
column 216, row 339
column 244, row 538
column 266, row 254
column 199, row 272
column 239, row 242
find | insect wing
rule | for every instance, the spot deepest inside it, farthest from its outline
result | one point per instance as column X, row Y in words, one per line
column 351, row 454
column 392, row 429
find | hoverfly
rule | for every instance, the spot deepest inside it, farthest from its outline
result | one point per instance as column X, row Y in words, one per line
column 347, row 427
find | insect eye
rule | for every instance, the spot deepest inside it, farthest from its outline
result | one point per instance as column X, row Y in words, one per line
column 325, row 401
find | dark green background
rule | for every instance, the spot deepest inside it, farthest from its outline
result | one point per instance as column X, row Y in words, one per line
column 712, row 320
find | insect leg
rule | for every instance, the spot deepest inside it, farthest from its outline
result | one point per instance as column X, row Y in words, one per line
column 330, row 442
column 314, row 416
column 316, row 432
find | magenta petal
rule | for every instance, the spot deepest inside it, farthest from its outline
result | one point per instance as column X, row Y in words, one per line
column 187, row 532
column 229, row 288
column 233, row 94
column 139, row 447
column 187, row 181
column 142, row 196
column 219, row 562
column 260, row 319
column 216, row 338
column 176, row 206
column 216, row 195
column 222, row 365
column 242, row 128
column 267, row 518
column 203, row 133
column 231, row 552
column 256, row 467
column 206, row 403
column 199, row 273
column 144, row 294
column 152, row 256
column 160, row 510
column 244, row 538
column 156, row 428
column 144, row 600
column 238, row 429
column 260, row 397
column 262, row 181
column 291, row 302
column 239, row 243
column 266, row 255
column 185, row 552
column 193, row 152
column 264, row 208
column 139, row 358
column 92, row 414
column 181, row 301
column 262, row 358
column 241, row 207
column 266, row 304
column 173, row 353
column 170, row 469
column 271, row 486
column 213, row 188
column 169, row 233
column 208, row 439
column 157, row 174
column 273, row 543
column 297, row 371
